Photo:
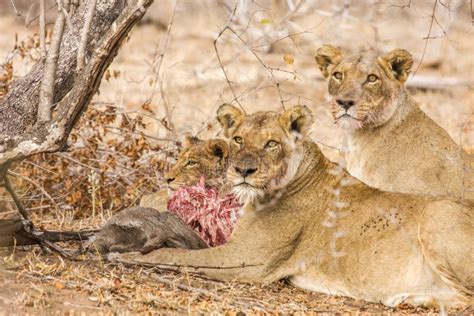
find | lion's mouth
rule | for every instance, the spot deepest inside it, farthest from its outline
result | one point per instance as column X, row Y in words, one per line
column 243, row 184
column 246, row 192
column 347, row 115
column 348, row 122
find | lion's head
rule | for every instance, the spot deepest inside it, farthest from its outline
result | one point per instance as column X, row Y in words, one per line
column 199, row 158
column 265, row 148
column 365, row 87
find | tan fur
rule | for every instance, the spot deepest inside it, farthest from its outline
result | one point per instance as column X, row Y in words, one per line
column 326, row 235
column 392, row 144
column 208, row 159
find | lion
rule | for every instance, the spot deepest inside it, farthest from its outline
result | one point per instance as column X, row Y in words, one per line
column 392, row 144
column 198, row 158
column 309, row 221
column 150, row 226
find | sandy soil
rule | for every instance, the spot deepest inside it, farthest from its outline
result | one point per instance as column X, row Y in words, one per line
column 189, row 88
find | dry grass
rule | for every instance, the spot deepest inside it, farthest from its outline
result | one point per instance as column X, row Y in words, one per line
column 43, row 283
column 145, row 112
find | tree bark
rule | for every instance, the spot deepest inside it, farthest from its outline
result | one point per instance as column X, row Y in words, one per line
column 21, row 133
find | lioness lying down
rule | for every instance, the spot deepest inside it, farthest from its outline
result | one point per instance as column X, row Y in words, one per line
column 306, row 222
column 392, row 144
column 151, row 227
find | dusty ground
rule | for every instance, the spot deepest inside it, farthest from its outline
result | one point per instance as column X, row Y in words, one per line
column 186, row 93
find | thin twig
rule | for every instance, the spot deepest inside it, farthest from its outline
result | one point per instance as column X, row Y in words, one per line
column 17, row 14
column 403, row 6
column 65, row 9
column 42, row 29
column 45, row 193
column 176, row 267
column 259, row 59
column 81, row 52
column 49, row 244
column 141, row 134
column 21, row 209
column 291, row 35
column 428, row 37
column 156, row 70
column 292, row 12
column 183, row 287
column 38, row 16
column 219, row 57
column 169, row 125
column 51, row 64
column 29, row 228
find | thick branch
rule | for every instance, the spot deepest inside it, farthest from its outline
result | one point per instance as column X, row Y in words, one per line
column 18, row 108
column 81, row 54
column 42, row 29
column 21, row 209
column 51, row 64
column 18, row 116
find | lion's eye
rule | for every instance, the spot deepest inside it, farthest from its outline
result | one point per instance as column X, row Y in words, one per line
column 191, row 163
column 271, row 144
column 238, row 139
column 372, row 78
column 337, row 75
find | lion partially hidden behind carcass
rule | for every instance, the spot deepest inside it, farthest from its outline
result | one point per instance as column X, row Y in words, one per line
column 324, row 230
column 152, row 226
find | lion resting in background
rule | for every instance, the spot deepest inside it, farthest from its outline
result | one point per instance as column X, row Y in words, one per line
column 392, row 144
column 305, row 222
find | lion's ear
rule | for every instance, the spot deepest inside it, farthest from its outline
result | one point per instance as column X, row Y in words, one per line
column 218, row 148
column 397, row 63
column 190, row 140
column 297, row 119
column 230, row 117
column 328, row 57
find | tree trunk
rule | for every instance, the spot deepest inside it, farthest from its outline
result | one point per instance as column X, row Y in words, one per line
column 21, row 134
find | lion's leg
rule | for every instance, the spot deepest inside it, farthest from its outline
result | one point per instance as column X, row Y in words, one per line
column 225, row 262
column 245, row 257
column 446, row 234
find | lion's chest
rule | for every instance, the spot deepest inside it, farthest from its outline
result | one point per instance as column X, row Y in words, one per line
column 374, row 162
column 361, row 163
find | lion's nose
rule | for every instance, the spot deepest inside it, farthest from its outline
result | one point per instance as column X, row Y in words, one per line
column 345, row 104
column 245, row 171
